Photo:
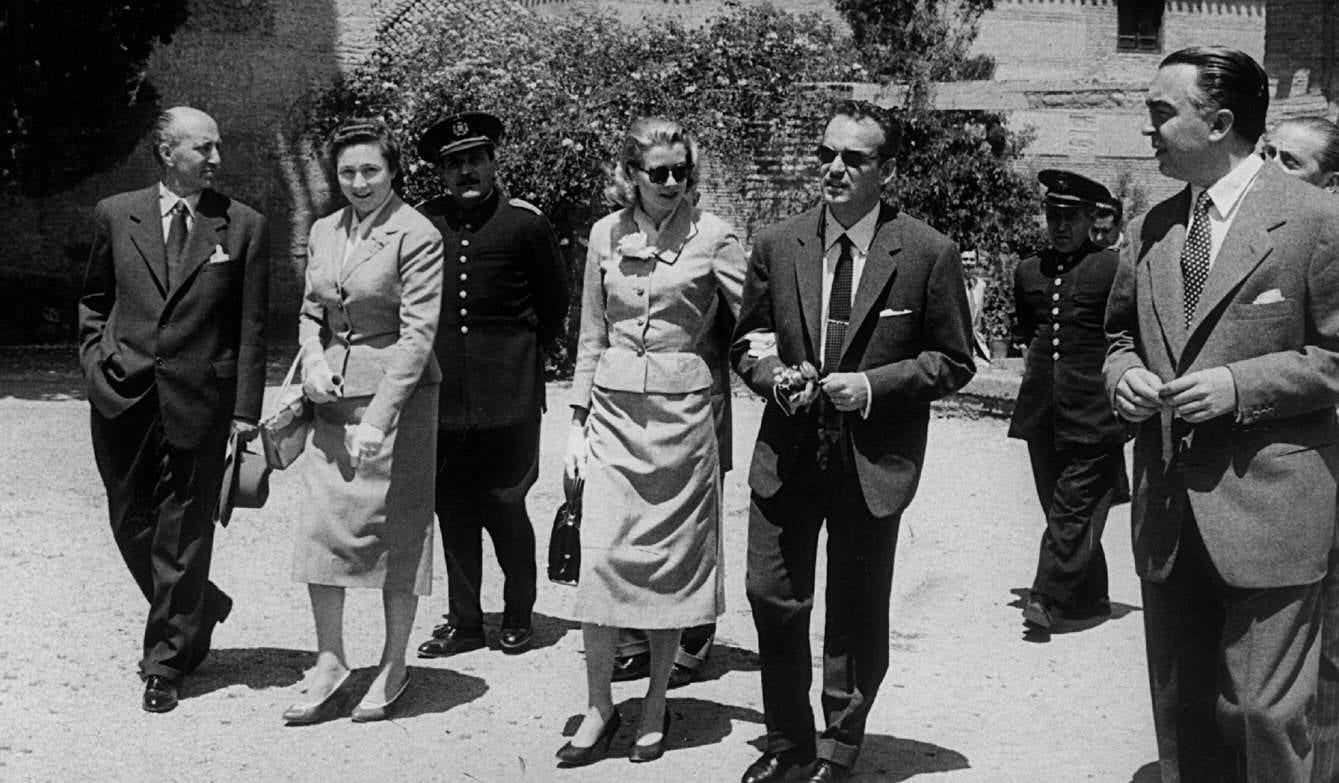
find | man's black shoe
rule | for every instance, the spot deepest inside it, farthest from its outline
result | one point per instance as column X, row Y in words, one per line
column 516, row 639
column 774, row 767
column 450, row 640
column 828, row 772
column 160, row 694
column 632, row 667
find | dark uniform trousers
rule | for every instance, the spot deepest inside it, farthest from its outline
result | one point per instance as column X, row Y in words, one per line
column 1256, row 695
column 1076, row 487
column 782, row 547
column 482, row 479
column 160, row 498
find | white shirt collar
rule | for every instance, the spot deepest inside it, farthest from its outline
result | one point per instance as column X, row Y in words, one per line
column 1228, row 190
column 861, row 233
column 167, row 200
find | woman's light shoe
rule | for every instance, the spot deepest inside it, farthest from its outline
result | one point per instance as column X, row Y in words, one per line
column 301, row 714
column 366, row 713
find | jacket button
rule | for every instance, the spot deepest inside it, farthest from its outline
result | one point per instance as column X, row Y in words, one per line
column 464, row 329
column 463, row 294
column 464, row 243
column 1055, row 356
column 464, row 312
column 463, row 259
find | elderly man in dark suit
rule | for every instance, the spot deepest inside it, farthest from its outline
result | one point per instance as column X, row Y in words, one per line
column 854, row 319
column 171, row 341
column 1223, row 326
column 504, row 298
column 1074, row 441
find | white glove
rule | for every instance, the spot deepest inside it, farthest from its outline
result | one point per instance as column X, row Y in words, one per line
column 363, row 441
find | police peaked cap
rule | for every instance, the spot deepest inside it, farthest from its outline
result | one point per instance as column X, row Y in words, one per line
column 459, row 132
column 1067, row 189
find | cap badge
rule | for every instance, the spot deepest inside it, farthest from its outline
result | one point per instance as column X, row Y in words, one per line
column 461, row 128
column 1062, row 183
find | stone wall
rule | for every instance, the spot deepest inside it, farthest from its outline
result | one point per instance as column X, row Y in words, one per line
column 1302, row 54
column 690, row 12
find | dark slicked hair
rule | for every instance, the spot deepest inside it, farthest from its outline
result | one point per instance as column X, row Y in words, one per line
column 365, row 130
column 1329, row 136
column 1229, row 79
column 864, row 110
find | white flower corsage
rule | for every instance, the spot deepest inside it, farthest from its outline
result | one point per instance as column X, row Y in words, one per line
column 635, row 246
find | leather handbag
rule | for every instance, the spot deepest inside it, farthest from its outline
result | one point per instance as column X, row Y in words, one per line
column 283, row 432
column 565, row 539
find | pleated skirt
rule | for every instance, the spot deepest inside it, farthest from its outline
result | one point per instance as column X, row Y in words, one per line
column 371, row 527
column 651, row 509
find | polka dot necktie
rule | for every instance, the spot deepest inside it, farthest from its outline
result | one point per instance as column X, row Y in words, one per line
column 1195, row 254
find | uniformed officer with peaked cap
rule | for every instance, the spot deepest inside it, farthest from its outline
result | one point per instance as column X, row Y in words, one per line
column 504, row 298
column 1074, row 440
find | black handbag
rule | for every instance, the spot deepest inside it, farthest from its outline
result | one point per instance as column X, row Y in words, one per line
column 565, row 540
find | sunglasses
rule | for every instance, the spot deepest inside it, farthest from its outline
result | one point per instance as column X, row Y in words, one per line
column 661, row 174
column 852, row 159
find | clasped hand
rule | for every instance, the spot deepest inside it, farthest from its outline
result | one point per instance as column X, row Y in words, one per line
column 320, row 385
column 798, row 387
column 363, row 441
column 1195, row 397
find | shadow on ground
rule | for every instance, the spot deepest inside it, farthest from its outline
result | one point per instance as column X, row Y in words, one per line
column 1149, row 773
column 1063, row 625
column 263, row 668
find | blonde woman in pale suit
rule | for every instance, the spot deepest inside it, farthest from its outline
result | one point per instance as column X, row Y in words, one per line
column 642, row 433
column 369, row 316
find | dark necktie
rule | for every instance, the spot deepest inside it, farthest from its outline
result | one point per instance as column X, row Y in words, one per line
column 839, row 316
column 1195, row 254
column 176, row 241
column 839, row 305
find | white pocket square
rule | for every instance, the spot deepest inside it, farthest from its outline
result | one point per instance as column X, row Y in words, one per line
column 885, row 313
column 218, row 256
column 1269, row 297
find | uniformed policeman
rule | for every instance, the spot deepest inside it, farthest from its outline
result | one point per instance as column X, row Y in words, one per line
column 504, row 298
column 1074, row 440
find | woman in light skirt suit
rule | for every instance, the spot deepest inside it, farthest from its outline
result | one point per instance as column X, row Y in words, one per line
column 642, row 433
column 369, row 317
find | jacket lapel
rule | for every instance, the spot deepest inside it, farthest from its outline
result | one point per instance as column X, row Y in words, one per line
column 1166, row 282
column 210, row 229
column 1246, row 244
column 809, row 280
column 880, row 263
column 146, row 232
column 382, row 230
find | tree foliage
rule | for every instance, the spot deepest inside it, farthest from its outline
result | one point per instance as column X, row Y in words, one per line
column 75, row 98
column 917, row 41
column 567, row 89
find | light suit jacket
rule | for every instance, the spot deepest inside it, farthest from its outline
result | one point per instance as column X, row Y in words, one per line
column 1261, row 483
column 376, row 313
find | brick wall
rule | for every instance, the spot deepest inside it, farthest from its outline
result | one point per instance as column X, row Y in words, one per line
column 690, row 12
column 1076, row 39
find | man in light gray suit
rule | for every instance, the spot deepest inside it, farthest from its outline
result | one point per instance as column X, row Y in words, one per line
column 1223, row 331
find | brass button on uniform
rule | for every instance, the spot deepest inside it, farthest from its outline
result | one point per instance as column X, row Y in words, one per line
column 464, row 276
column 1055, row 311
column 1055, row 341
column 463, row 294
column 1055, row 356
column 464, row 312
column 464, row 329
column 463, row 259
column 464, row 243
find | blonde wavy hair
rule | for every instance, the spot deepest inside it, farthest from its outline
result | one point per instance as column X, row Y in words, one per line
column 644, row 134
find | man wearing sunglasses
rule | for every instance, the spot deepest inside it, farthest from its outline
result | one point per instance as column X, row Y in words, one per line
column 504, row 297
column 854, row 319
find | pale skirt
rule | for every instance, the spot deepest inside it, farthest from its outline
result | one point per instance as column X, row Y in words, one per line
column 371, row 527
column 651, row 510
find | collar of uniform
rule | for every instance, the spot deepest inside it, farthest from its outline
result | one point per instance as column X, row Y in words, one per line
column 861, row 233
column 1053, row 259
column 167, row 200
column 483, row 211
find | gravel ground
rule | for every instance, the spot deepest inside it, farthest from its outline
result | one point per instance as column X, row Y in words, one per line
column 968, row 697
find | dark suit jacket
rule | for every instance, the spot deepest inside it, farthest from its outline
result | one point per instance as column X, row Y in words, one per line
column 1261, row 484
column 504, row 299
column 200, row 343
column 910, row 333
column 1062, row 400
